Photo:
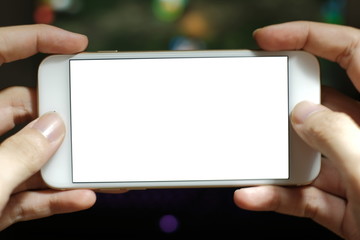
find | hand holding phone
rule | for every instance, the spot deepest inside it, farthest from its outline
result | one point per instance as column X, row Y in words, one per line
column 179, row 119
column 23, row 193
column 332, row 199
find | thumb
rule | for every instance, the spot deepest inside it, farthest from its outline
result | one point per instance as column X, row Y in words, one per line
column 334, row 134
column 24, row 153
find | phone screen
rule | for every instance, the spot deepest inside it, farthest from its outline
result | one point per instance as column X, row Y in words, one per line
column 179, row 119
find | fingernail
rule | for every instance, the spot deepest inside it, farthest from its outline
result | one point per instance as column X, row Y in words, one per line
column 255, row 31
column 51, row 126
column 305, row 109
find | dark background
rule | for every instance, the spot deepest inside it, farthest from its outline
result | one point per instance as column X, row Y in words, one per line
column 139, row 25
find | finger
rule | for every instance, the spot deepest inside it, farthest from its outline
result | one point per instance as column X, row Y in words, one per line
column 17, row 105
column 333, row 42
column 20, row 42
column 310, row 202
column 23, row 154
column 339, row 102
column 329, row 179
column 334, row 134
column 32, row 205
column 35, row 182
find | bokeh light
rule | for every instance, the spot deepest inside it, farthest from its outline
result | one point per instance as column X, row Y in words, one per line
column 168, row 223
column 44, row 13
column 168, row 10
column 195, row 24
column 184, row 43
column 46, row 10
column 61, row 5
column 333, row 11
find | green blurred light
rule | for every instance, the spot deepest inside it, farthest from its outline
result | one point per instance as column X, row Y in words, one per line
column 334, row 18
column 333, row 11
column 168, row 10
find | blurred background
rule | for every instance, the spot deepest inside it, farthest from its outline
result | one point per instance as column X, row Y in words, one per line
column 144, row 25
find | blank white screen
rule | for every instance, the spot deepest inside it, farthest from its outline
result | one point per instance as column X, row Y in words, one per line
column 179, row 119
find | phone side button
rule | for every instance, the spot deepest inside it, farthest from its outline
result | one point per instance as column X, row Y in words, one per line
column 108, row 51
column 112, row 190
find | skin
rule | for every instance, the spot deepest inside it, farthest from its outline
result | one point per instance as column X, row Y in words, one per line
column 333, row 199
column 23, row 194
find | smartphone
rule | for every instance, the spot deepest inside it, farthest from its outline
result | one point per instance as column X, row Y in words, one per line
column 138, row 120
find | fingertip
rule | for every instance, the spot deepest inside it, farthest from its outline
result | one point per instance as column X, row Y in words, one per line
column 303, row 110
column 255, row 198
column 74, row 200
column 241, row 197
column 87, row 197
column 266, row 37
column 282, row 36
column 82, row 41
column 52, row 39
column 256, row 31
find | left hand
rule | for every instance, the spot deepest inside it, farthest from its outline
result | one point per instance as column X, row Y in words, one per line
column 23, row 193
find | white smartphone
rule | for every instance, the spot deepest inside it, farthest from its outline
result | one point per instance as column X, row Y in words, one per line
column 179, row 118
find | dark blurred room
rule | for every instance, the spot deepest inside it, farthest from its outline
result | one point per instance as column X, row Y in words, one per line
column 139, row 25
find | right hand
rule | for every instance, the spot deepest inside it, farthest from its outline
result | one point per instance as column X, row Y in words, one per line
column 333, row 199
